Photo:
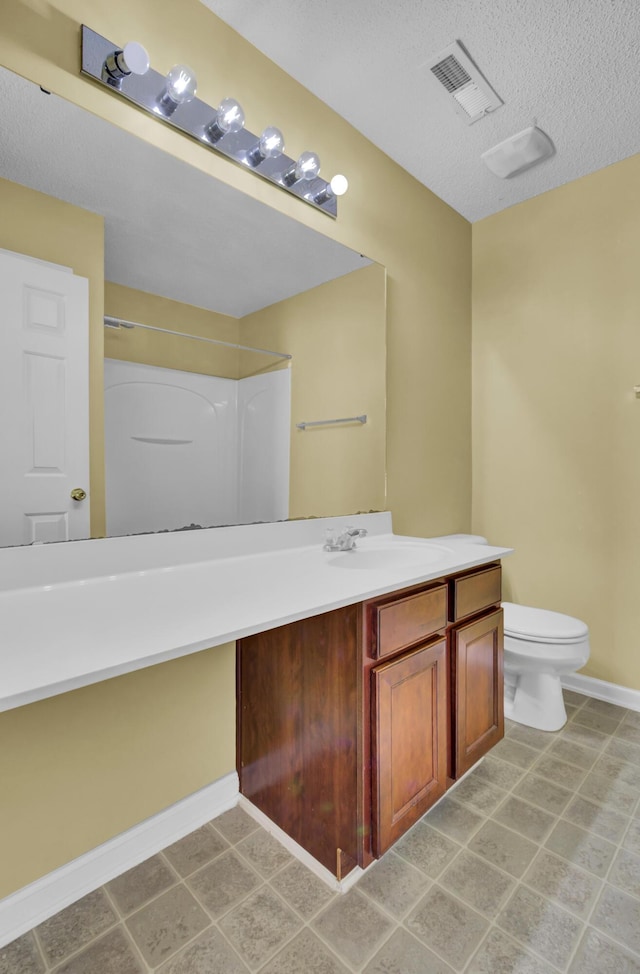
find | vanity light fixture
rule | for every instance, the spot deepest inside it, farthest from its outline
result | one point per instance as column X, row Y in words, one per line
column 228, row 118
column 338, row 186
column 180, row 87
column 172, row 99
column 132, row 59
column 306, row 168
column 270, row 145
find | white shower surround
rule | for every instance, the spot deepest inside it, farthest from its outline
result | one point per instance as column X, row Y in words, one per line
column 183, row 448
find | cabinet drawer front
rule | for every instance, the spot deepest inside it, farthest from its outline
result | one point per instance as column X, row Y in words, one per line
column 400, row 623
column 475, row 592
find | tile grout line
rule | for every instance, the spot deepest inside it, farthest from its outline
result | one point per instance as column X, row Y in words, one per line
column 137, row 952
column 74, row 953
column 40, row 949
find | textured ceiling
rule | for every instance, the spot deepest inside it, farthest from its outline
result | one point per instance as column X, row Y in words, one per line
column 170, row 229
column 570, row 65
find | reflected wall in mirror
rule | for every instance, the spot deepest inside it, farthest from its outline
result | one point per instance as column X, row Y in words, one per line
column 164, row 244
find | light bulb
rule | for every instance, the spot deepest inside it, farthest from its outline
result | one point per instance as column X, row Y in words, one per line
column 132, row 59
column 229, row 118
column 337, row 187
column 306, row 168
column 180, row 87
column 269, row 146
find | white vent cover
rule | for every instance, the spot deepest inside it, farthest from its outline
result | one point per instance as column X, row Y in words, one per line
column 519, row 152
column 457, row 76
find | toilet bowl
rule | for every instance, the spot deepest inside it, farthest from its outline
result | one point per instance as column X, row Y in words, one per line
column 540, row 646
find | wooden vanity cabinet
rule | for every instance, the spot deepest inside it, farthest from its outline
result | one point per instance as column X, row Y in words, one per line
column 352, row 723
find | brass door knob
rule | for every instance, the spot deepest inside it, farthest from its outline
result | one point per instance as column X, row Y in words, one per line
column 78, row 494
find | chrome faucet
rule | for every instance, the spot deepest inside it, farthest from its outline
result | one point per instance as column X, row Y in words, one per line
column 344, row 541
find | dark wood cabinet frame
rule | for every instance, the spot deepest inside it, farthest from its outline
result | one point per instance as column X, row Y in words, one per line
column 352, row 723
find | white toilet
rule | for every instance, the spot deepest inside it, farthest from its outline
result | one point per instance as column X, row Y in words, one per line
column 540, row 646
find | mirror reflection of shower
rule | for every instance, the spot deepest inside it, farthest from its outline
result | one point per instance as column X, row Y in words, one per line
column 184, row 449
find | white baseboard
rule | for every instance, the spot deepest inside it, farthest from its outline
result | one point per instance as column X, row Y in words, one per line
column 601, row 690
column 341, row 886
column 41, row 899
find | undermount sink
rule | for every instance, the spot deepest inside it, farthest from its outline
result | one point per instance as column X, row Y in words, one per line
column 390, row 555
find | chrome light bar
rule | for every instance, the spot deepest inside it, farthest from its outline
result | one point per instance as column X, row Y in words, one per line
column 107, row 64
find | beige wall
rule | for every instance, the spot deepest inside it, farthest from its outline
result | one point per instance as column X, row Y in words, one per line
column 81, row 767
column 336, row 334
column 46, row 228
column 387, row 215
column 169, row 351
column 556, row 425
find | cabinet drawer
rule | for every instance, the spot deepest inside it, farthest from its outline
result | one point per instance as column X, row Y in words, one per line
column 475, row 592
column 399, row 623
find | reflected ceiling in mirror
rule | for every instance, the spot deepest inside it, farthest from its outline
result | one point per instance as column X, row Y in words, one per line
column 170, row 229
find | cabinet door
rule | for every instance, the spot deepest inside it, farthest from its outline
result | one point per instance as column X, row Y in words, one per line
column 478, row 689
column 409, row 728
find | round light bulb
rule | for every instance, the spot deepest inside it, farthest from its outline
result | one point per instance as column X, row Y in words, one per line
column 271, row 143
column 121, row 64
column 339, row 185
column 133, row 59
column 269, row 146
column 181, row 84
column 307, row 166
column 230, row 117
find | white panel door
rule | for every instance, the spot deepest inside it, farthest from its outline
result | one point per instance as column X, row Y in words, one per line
column 44, row 401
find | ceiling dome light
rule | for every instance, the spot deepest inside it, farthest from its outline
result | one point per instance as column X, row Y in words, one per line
column 518, row 153
column 180, row 87
column 229, row 118
column 269, row 146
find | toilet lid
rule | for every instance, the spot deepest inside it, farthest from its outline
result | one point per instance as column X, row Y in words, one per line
column 542, row 625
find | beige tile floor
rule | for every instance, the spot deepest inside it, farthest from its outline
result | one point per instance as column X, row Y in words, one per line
column 531, row 865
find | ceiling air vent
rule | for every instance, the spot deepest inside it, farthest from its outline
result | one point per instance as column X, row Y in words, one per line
column 470, row 94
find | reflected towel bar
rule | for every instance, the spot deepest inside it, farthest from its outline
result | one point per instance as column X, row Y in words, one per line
column 332, row 422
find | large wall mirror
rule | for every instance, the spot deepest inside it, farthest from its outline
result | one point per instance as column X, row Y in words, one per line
column 100, row 231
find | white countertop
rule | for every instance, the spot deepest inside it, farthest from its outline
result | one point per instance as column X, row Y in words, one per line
column 75, row 614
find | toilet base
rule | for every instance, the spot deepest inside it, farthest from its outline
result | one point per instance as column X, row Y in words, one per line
column 535, row 699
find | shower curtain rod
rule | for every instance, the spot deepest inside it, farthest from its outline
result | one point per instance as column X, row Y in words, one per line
column 110, row 322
